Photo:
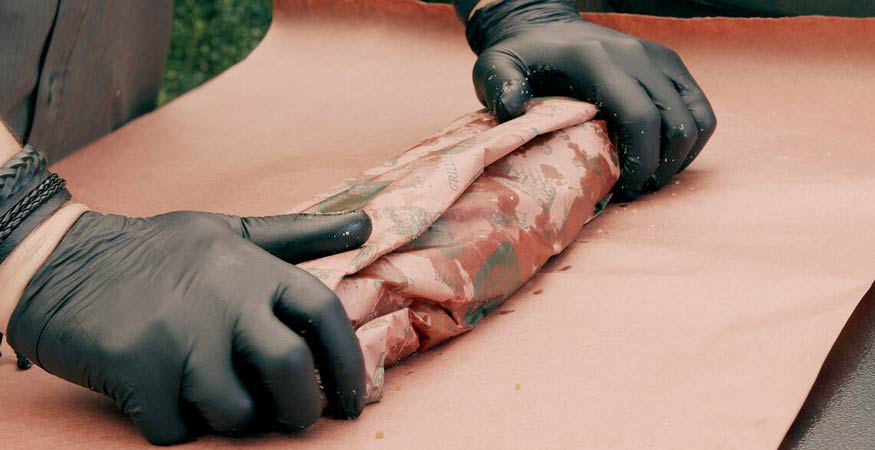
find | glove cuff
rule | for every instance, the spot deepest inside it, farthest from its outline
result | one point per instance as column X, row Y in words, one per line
column 29, row 193
column 500, row 20
column 464, row 8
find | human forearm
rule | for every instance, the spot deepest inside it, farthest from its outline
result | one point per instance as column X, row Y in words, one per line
column 17, row 270
column 8, row 144
column 20, row 266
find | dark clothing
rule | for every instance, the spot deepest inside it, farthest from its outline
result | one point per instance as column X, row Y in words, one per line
column 71, row 71
column 733, row 8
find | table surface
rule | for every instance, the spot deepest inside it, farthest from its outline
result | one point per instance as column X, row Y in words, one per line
column 697, row 317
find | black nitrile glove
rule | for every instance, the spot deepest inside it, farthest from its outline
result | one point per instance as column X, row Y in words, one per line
column 189, row 319
column 657, row 112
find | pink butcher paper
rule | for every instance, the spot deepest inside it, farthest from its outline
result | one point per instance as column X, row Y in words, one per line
column 461, row 221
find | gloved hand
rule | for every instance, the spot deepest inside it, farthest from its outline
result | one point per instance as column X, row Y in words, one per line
column 189, row 319
column 658, row 114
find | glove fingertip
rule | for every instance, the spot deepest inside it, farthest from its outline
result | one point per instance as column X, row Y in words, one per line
column 624, row 196
column 511, row 105
column 355, row 230
column 351, row 405
column 165, row 433
column 627, row 190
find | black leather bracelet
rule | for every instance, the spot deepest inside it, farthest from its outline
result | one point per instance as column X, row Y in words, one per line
column 29, row 193
column 19, row 171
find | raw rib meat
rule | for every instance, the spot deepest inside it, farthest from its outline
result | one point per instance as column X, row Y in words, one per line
column 461, row 221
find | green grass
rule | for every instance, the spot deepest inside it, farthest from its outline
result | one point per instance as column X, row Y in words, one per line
column 208, row 37
column 211, row 35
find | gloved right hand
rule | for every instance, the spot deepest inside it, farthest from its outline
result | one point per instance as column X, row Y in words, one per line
column 187, row 318
column 658, row 114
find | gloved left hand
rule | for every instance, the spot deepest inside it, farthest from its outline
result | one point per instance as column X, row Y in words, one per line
column 189, row 319
column 660, row 117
